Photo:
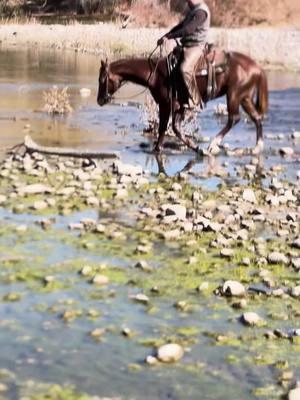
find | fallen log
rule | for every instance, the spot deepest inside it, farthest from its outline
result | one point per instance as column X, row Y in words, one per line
column 31, row 147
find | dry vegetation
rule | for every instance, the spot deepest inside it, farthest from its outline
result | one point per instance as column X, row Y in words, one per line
column 160, row 13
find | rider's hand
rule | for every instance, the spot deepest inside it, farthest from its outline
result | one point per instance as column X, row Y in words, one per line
column 161, row 41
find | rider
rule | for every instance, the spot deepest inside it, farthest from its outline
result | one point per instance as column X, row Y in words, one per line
column 192, row 31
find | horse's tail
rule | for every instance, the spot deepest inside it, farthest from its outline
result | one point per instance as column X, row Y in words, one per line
column 262, row 101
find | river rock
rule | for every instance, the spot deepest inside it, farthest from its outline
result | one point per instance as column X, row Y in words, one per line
column 127, row 169
column 40, row 205
column 140, row 298
column 294, row 394
column 233, row 288
column 150, row 360
column 277, row 258
column 86, row 270
column 295, row 292
column 171, row 235
column 100, row 280
column 36, row 188
column 3, row 199
column 296, row 263
column 121, row 194
column 227, row 253
column 170, row 353
column 92, row 201
column 175, row 209
column 286, row 151
column 249, row 196
column 296, row 243
column 251, row 319
column 85, row 92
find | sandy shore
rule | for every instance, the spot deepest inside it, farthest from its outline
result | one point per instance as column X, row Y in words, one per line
column 272, row 47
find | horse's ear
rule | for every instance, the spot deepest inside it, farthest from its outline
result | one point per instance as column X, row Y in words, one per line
column 102, row 64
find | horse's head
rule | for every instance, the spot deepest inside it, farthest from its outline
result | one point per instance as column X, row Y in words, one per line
column 109, row 83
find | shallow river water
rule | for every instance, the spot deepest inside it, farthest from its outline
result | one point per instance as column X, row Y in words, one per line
column 37, row 346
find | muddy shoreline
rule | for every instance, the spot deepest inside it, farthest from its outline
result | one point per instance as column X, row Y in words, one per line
column 272, row 47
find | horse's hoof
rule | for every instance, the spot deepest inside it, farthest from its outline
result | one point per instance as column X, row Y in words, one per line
column 258, row 149
column 213, row 150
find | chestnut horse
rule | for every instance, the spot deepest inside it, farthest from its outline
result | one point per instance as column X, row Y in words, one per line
column 241, row 81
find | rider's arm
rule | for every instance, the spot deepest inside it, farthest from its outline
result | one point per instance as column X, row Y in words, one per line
column 184, row 28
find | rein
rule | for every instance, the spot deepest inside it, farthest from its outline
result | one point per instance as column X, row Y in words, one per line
column 148, row 80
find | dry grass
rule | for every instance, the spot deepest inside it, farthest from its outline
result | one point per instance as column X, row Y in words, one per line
column 57, row 101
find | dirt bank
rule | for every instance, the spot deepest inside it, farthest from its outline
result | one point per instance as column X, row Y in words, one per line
column 273, row 47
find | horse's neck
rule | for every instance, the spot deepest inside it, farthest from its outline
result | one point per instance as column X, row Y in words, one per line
column 136, row 71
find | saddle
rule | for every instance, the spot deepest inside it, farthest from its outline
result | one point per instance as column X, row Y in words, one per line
column 213, row 61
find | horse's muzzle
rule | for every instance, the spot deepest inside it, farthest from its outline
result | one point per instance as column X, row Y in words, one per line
column 103, row 100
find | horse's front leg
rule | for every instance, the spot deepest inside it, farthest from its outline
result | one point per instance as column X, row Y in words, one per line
column 177, row 118
column 164, row 116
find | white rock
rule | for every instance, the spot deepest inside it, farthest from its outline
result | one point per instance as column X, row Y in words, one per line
column 140, row 298
column 295, row 292
column 173, row 234
column 150, row 360
column 296, row 135
column 100, row 280
column 286, row 151
column 249, row 196
column 296, row 243
column 277, row 258
column 233, row 288
column 3, row 199
column 170, row 353
column 251, row 319
column 176, row 187
column 86, row 270
column 294, row 394
column 227, row 253
column 121, row 194
column 92, row 201
column 40, row 205
column 85, row 92
column 36, row 188
column 175, row 209
column 127, row 169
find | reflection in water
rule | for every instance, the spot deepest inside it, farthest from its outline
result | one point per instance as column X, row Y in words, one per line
column 26, row 73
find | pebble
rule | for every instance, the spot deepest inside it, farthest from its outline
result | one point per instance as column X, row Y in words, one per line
column 251, row 319
column 3, row 199
column 227, row 253
column 277, row 258
column 86, row 270
column 233, row 288
column 150, row 360
column 294, row 394
column 295, row 292
column 40, row 205
column 286, row 151
column 170, row 353
column 140, row 298
column 100, row 280
column 249, row 196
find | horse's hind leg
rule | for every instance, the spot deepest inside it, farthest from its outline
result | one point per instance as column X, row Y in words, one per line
column 233, row 104
column 250, row 109
column 178, row 117
column 164, row 115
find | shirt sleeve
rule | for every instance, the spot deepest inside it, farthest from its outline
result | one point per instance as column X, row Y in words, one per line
column 185, row 28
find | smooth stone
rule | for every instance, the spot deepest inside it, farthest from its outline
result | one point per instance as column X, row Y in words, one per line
column 277, row 258
column 296, row 135
column 140, row 298
column 40, row 205
column 97, row 332
column 175, row 209
column 233, row 288
column 127, row 169
column 3, row 199
column 92, row 201
column 249, row 196
column 100, row 280
column 294, row 394
column 86, row 270
column 150, row 360
column 170, row 353
column 296, row 243
column 295, row 292
column 296, row 263
column 286, row 151
column 36, row 188
column 227, row 253
column 85, row 92
column 173, row 234
column 251, row 319
column 121, row 194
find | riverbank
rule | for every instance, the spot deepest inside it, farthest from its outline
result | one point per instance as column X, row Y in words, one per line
column 272, row 47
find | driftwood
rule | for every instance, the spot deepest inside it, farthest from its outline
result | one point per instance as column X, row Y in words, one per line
column 31, row 147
